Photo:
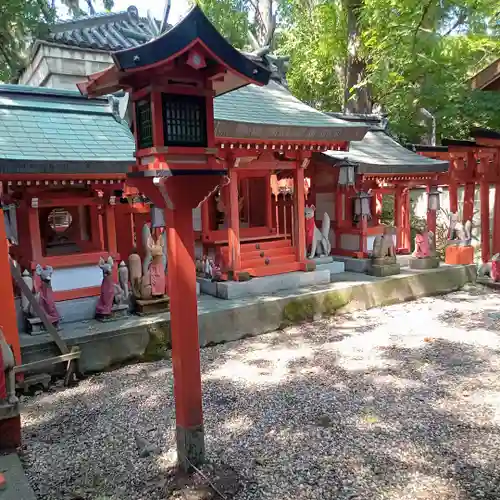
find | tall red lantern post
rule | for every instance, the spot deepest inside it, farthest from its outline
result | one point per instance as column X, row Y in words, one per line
column 172, row 82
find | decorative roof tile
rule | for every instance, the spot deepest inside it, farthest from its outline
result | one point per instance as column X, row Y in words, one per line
column 106, row 32
column 60, row 125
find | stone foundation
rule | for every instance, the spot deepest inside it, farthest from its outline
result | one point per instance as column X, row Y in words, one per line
column 384, row 266
column 425, row 263
column 261, row 286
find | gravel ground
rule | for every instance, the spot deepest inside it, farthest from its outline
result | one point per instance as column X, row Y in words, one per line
column 401, row 402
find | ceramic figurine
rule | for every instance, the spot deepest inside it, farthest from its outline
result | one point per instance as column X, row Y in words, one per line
column 7, row 363
column 317, row 241
column 45, row 295
column 111, row 294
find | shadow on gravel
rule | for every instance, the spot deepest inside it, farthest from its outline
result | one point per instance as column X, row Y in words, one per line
column 293, row 419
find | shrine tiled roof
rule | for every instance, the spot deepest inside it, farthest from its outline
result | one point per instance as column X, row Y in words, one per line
column 106, row 32
column 40, row 124
column 273, row 112
column 378, row 153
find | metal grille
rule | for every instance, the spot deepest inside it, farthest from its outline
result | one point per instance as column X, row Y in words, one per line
column 184, row 120
column 144, row 124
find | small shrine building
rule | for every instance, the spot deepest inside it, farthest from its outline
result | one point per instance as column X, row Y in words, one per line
column 373, row 167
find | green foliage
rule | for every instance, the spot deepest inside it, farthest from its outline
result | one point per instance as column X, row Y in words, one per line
column 417, row 55
column 230, row 17
column 19, row 19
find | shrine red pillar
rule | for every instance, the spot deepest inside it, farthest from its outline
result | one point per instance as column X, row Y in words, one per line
column 299, row 203
column 10, row 428
column 431, row 215
column 398, row 216
column 484, row 198
column 184, row 330
column 496, row 221
column 406, row 214
column 233, row 207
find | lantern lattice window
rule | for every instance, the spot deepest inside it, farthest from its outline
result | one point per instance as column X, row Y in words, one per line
column 144, row 124
column 184, row 120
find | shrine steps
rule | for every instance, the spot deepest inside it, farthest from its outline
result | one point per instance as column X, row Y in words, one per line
column 266, row 258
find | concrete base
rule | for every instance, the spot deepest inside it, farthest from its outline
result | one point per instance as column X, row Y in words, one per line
column 353, row 265
column 117, row 312
column 261, row 286
column 384, row 270
column 327, row 263
column 190, row 444
column 489, row 283
column 106, row 344
column 426, row 263
column 36, row 326
column 18, row 487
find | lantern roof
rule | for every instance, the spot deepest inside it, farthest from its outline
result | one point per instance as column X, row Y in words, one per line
column 193, row 32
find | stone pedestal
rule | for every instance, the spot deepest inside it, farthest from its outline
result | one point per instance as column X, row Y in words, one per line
column 36, row 326
column 385, row 266
column 117, row 312
column 459, row 255
column 152, row 306
column 424, row 263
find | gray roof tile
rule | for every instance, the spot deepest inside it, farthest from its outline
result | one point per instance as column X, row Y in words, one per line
column 108, row 32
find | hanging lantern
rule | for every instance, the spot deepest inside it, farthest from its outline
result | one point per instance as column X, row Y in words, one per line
column 347, row 172
column 362, row 204
column 433, row 202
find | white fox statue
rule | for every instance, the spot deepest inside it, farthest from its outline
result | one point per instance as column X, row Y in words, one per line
column 318, row 241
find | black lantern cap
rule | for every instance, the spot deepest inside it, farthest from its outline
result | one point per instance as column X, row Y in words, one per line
column 195, row 27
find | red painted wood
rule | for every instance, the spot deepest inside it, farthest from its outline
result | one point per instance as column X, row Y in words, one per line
column 298, row 198
column 34, row 231
column 157, row 117
column 184, row 317
column 468, row 211
column 234, row 222
column 10, row 434
column 406, row 232
column 431, row 217
column 398, row 216
column 484, row 198
column 496, row 221
column 8, row 318
column 124, row 219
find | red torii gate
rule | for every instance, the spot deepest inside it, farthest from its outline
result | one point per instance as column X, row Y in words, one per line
column 471, row 163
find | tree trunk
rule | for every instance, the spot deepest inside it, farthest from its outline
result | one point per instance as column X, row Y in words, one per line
column 356, row 100
column 265, row 22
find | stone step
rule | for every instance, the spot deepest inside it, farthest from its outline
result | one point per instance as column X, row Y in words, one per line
column 333, row 267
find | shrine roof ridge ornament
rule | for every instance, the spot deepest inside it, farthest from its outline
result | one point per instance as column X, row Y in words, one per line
column 194, row 27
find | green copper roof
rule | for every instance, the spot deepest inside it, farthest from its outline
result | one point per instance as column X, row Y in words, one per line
column 48, row 124
column 272, row 112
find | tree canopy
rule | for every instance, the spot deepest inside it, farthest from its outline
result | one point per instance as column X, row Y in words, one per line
column 408, row 58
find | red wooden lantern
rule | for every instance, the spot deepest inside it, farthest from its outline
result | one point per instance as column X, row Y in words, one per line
column 173, row 81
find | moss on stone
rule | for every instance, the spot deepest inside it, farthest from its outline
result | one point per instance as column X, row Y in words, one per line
column 299, row 310
column 333, row 301
column 159, row 342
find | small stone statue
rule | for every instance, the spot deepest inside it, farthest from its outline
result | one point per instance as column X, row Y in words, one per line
column 123, row 279
column 459, row 234
column 383, row 246
column 149, row 281
column 7, row 363
column 317, row 241
column 45, row 295
column 383, row 259
column 113, row 296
